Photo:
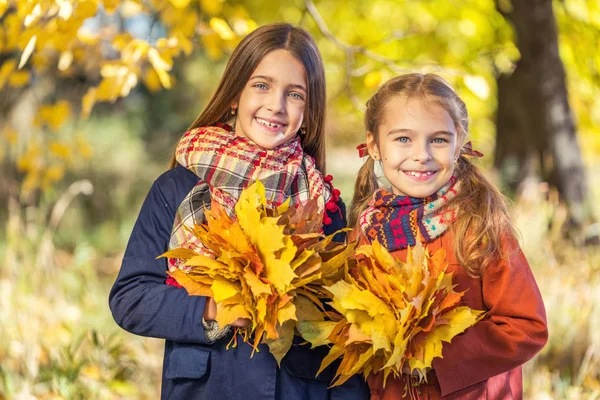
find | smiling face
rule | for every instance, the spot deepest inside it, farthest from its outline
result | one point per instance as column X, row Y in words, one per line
column 417, row 145
column 270, row 110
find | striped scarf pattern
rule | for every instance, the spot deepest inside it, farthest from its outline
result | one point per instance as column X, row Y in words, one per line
column 397, row 221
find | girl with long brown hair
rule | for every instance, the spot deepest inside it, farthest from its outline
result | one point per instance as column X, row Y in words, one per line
column 265, row 122
column 416, row 131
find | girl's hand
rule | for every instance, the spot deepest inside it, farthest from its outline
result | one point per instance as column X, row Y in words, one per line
column 241, row 323
column 406, row 370
column 210, row 314
column 210, row 309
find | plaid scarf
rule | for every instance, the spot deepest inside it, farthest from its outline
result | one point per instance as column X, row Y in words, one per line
column 397, row 221
column 226, row 164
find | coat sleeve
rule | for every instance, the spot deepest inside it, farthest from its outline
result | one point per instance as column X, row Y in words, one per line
column 140, row 301
column 512, row 332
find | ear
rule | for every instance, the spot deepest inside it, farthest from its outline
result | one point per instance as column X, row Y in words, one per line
column 372, row 146
column 235, row 103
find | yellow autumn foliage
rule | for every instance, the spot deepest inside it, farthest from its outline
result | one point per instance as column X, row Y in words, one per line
column 391, row 314
column 268, row 265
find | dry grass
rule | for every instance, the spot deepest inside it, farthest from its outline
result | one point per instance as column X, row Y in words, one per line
column 58, row 340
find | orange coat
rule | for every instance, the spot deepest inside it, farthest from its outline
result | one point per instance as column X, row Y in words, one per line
column 485, row 361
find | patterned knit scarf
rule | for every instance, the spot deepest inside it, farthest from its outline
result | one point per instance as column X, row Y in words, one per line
column 226, row 164
column 397, row 221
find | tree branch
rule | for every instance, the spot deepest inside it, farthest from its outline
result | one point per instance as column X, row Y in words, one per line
column 351, row 51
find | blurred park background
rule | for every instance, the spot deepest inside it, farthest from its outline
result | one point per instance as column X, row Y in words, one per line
column 95, row 94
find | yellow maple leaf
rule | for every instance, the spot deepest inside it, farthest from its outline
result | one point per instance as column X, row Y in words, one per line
column 383, row 257
column 277, row 252
column 223, row 289
column 179, row 253
column 201, row 260
column 395, row 360
column 255, row 283
column 229, row 313
column 248, row 208
column 192, row 286
column 256, row 267
column 390, row 313
column 335, row 352
column 459, row 319
column 286, row 311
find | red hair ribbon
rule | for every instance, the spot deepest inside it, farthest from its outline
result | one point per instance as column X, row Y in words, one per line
column 468, row 150
column 363, row 150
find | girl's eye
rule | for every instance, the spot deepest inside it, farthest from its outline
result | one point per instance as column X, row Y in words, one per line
column 439, row 140
column 261, row 86
column 403, row 139
column 296, row 95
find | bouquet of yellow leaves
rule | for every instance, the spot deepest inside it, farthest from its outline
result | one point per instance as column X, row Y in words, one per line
column 268, row 265
column 391, row 314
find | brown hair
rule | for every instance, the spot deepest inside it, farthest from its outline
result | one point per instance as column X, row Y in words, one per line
column 482, row 219
column 244, row 60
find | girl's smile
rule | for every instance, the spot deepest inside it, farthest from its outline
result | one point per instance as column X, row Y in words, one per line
column 271, row 125
column 420, row 176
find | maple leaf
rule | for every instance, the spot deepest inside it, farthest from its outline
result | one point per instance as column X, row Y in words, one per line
column 306, row 310
column 280, row 346
column 458, row 319
column 193, row 287
column 223, row 289
column 268, row 264
column 305, row 220
column 316, row 332
column 390, row 313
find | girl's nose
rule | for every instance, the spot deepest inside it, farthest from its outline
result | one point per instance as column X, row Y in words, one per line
column 276, row 103
column 421, row 153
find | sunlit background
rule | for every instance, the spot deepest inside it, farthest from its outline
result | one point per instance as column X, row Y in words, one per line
column 95, row 94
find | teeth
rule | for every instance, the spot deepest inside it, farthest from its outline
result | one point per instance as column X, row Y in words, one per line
column 268, row 124
column 418, row 174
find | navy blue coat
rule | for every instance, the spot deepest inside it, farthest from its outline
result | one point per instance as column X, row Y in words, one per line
column 193, row 368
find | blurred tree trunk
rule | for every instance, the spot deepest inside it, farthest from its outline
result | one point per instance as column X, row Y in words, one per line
column 536, row 132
